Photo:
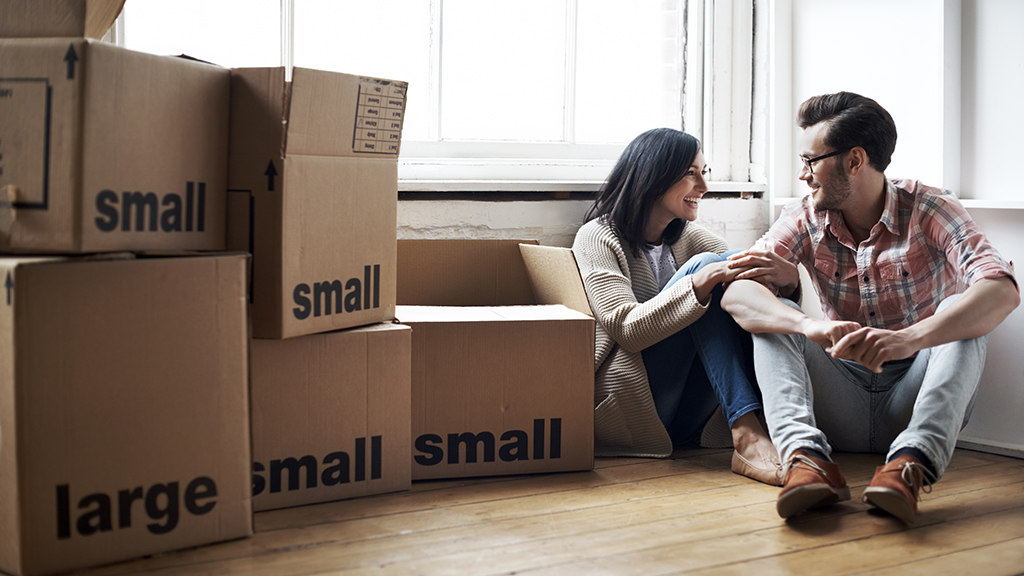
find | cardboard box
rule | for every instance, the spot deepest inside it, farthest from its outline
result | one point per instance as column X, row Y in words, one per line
column 107, row 149
column 502, row 377
column 313, row 195
column 124, row 421
column 57, row 18
column 331, row 416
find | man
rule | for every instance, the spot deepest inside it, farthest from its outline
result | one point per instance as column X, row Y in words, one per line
column 894, row 368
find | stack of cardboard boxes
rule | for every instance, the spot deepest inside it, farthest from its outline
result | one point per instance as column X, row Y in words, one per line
column 200, row 315
column 124, row 403
column 312, row 195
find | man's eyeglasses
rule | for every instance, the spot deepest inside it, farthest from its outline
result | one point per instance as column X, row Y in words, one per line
column 809, row 162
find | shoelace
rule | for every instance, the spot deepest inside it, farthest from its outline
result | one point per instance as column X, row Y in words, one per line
column 914, row 474
column 797, row 459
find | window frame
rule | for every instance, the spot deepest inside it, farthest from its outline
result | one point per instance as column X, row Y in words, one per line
column 717, row 92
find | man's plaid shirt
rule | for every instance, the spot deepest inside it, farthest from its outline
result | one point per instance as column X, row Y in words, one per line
column 925, row 248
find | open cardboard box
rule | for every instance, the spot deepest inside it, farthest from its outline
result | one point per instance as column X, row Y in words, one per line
column 313, row 195
column 107, row 149
column 57, row 18
column 330, row 415
column 124, row 408
column 502, row 358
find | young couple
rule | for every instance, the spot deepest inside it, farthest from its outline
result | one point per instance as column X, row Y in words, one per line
column 909, row 286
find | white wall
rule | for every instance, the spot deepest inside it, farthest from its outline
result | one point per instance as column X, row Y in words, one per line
column 993, row 81
column 554, row 222
column 890, row 51
column 998, row 419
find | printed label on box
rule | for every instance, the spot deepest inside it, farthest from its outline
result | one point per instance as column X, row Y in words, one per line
column 380, row 111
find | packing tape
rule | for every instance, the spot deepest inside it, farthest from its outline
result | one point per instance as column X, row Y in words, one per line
column 8, row 195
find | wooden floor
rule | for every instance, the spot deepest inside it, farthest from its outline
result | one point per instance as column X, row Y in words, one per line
column 689, row 514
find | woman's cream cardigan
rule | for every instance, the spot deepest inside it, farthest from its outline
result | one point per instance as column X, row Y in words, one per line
column 631, row 315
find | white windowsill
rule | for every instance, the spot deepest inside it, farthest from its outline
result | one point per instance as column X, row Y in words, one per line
column 543, row 186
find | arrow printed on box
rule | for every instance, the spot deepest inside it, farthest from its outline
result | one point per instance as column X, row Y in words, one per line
column 270, row 173
column 71, row 57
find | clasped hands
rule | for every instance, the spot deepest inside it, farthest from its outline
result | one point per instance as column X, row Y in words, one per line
column 866, row 345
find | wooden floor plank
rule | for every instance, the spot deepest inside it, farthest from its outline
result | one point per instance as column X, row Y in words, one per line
column 628, row 516
column 675, row 531
column 1002, row 558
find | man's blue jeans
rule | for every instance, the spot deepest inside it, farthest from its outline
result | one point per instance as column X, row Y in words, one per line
column 707, row 364
column 818, row 402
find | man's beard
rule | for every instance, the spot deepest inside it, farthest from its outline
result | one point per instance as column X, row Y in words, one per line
column 834, row 190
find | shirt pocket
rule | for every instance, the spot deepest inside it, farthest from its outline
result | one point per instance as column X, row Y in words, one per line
column 829, row 273
column 900, row 275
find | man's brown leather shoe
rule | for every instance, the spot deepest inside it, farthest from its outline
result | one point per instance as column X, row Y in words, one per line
column 896, row 487
column 810, row 482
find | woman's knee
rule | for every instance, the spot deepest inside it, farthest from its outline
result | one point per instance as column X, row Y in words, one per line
column 698, row 261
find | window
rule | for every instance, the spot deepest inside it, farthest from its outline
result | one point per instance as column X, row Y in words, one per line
column 504, row 94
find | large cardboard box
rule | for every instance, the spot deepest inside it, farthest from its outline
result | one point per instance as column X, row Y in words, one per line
column 107, row 149
column 313, row 195
column 57, row 18
column 124, row 424
column 331, row 416
column 502, row 377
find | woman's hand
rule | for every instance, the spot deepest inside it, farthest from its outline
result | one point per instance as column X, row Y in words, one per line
column 705, row 279
column 767, row 268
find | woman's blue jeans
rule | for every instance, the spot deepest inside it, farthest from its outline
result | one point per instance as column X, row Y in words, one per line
column 707, row 364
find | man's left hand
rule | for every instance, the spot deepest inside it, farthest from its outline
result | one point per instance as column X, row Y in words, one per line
column 874, row 346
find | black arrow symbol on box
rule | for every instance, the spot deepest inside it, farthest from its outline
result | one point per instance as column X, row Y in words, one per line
column 270, row 173
column 71, row 57
column 9, row 284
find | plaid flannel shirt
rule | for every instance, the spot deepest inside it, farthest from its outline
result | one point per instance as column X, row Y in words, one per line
column 924, row 248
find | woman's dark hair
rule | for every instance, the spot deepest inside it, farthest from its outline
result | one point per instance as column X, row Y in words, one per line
column 647, row 168
column 853, row 120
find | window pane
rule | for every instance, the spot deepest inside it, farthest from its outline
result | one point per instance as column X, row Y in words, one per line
column 503, row 70
column 385, row 39
column 231, row 33
column 629, row 68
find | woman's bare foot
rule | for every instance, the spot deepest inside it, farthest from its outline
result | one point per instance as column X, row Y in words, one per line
column 755, row 455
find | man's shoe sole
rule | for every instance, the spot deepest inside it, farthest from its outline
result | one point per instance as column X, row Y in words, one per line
column 810, row 496
column 890, row 501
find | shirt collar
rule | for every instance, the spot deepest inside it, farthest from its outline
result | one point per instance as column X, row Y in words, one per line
column 891, row 213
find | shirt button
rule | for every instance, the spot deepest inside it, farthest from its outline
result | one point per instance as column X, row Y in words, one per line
column 905, row 273
column 865, row 278
column 837, row 273
column 872, row 314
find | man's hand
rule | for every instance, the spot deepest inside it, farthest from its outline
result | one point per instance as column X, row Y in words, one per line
column 874, row 346
column 767, row 268
column 828, row 332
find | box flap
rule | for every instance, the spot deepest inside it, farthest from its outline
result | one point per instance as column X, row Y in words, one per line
column 100, row 16
column 258, row 102
column 57, row 18
column 333, row 114
column 462, row 273
column 415, row 314
column 555, row 277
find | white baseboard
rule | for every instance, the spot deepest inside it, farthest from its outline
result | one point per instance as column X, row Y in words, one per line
column 991, row 446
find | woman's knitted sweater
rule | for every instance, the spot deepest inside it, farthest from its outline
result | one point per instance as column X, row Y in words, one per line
column 631, row 315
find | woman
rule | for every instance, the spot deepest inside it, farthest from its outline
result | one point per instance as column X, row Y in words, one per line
column 667, row 354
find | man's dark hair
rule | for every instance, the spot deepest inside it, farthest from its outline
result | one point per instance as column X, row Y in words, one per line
column 853, row 120
column 651, row 164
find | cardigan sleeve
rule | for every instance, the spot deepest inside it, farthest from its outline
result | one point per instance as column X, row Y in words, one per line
column 633, row 325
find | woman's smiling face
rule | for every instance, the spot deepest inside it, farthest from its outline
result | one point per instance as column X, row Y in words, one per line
column 683, row 198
